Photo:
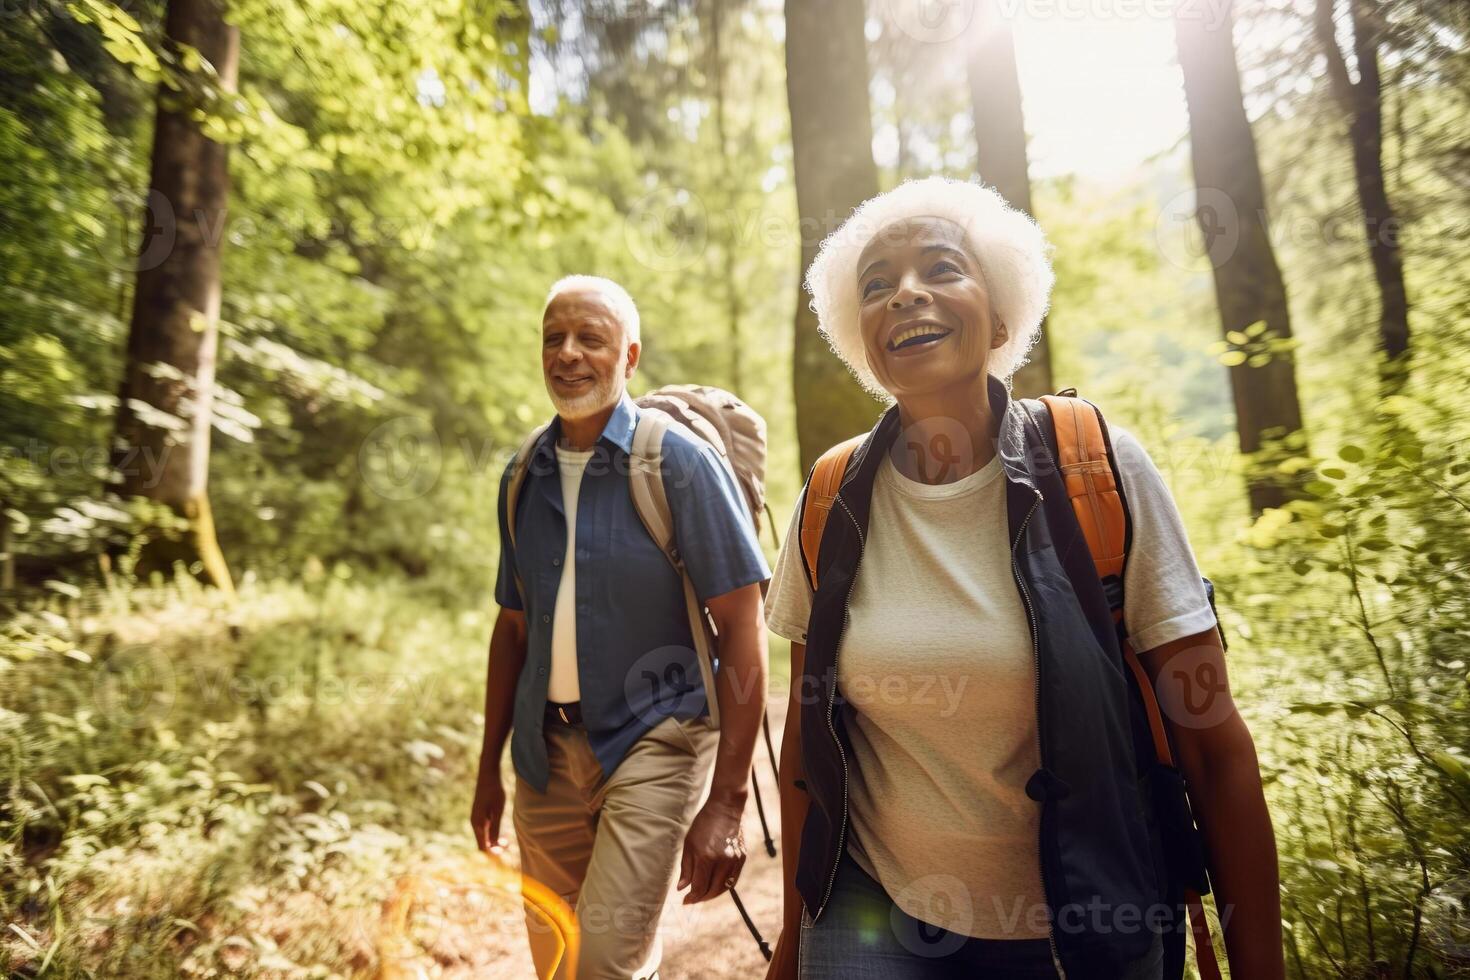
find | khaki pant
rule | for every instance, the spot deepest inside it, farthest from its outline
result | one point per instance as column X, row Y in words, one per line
column 610, row 846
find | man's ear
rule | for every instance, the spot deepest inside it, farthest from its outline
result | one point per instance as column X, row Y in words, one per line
column 635, row 350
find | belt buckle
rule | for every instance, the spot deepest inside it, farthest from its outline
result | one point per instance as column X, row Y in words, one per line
column 562, row 711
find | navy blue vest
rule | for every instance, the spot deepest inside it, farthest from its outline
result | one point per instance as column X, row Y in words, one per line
column 1100, row 848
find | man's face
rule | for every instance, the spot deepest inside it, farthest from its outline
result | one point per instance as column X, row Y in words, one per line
column 585, row 359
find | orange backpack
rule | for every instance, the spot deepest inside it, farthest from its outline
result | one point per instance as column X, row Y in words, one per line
column 1083, row 455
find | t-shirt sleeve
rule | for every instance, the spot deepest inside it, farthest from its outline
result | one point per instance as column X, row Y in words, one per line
column 507, row 591
column 1163, row 595
column 712, row 525
column 789, row 599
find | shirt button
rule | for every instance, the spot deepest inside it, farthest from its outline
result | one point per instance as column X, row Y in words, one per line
column 556, row 562
column 545, row 618
column 541, row 671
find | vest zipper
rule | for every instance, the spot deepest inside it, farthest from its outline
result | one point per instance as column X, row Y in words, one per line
column 831, row 698
column 1051, row 938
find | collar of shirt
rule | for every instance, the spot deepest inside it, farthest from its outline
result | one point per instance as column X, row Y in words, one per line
column 617, row 432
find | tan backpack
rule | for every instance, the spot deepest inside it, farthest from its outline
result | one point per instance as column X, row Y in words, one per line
column 733, row 428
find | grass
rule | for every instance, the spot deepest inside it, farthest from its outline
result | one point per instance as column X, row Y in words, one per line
column 200, row 789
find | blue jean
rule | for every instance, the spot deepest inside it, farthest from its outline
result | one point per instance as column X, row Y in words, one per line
column 863, row 935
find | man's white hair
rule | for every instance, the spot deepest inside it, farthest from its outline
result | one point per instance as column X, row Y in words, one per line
column 617, row 298
column 1010, row 248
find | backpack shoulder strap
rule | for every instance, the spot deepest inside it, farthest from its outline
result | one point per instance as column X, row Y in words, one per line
column 1085, row 457
column 821, row 493
column 645, row 482
column 651, row 501
column 519, row 466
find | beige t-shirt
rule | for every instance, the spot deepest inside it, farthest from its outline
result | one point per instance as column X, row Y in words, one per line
column 938, row 671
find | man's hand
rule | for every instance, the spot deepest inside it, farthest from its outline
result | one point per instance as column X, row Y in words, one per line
column 486, row 811
column 714, row 851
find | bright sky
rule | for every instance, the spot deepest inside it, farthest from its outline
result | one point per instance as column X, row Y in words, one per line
column 1100, row 95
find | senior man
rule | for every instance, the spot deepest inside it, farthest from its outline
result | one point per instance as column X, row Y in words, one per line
column 610, row 768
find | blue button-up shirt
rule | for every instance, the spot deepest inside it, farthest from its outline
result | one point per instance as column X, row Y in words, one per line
column 636, row 663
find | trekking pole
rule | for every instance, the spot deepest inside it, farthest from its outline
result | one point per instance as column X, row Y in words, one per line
column 759, row 939
column 761, row 810
column 770, row 749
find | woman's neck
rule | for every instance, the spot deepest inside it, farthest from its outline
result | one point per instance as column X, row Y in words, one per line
column 946, row 435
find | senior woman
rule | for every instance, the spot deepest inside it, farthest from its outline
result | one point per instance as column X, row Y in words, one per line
column 961, row 765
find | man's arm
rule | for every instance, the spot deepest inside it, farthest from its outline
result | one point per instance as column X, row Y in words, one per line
column 507, row 656
column 740, row 688
column 1217, row 756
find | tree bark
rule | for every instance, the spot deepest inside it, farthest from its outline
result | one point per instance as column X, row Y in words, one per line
column 1231, row 212
column 1361, row 102
column 1000, row 152
column 734, row 308
column 166, row 398
column 513, row 32
column 832, row 142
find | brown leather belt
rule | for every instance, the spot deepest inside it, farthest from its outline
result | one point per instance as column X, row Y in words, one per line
column 569, row 713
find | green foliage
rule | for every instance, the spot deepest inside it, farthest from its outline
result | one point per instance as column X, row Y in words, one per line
column 191, row 787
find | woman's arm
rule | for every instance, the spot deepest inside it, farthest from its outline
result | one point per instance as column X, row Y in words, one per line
column 1217, row 756
column 793, row 816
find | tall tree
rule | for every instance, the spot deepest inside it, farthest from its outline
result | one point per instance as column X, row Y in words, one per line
column 733, row 290
column 1231, row 209
column 165, row 406
column 1000, row 150
column 832, row 143
column 1361, row 102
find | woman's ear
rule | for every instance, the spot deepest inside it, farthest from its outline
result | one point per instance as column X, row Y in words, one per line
column 1001, row 335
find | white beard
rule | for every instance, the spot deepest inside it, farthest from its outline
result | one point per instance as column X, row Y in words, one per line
column 601, row 396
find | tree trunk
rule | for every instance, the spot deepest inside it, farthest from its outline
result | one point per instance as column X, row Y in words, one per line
column 513, row 32
column 1000, row 152
column 167, row 392
column 734, row 307
column 1361, row 102
column 1231, row 211
column 832, row 142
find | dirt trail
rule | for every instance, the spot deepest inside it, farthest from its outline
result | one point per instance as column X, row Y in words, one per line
column 456, row 931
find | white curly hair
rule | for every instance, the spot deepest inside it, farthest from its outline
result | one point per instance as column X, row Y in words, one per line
column 1013, row 254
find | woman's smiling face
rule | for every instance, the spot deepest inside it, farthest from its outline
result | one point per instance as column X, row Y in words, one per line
column 924, row 311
